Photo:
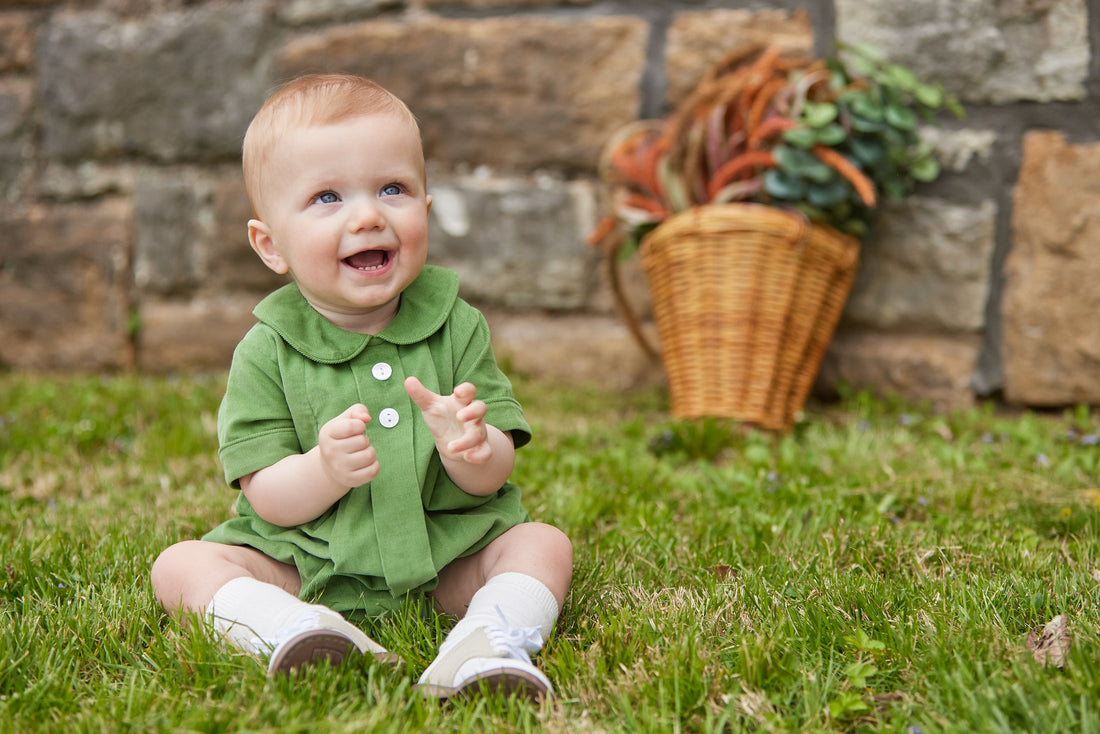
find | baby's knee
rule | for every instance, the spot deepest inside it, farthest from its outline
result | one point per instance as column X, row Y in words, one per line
column 553, row 542
column 171, row 568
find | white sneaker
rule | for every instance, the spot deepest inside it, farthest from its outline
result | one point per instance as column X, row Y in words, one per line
column 316, row 637
column 493, row 659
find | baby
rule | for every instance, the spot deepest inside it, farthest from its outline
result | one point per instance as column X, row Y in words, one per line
column 365, row 421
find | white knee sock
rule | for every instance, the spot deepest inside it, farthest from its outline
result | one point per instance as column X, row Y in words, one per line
column 255, row 616
column 522, row 600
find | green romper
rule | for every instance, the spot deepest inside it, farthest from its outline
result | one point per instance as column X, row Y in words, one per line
column 295, row 370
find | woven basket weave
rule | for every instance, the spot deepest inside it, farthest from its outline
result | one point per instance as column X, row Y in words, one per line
column 746, row 299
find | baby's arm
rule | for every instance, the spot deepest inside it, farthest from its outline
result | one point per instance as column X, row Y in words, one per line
column 478, row 457
column 300, row 487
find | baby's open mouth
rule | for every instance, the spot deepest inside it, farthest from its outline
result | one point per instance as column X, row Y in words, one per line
column 369, row 259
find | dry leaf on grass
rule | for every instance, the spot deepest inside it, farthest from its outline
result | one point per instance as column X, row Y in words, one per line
column 1050, row 644
column 755, row 705
column 1096, row 575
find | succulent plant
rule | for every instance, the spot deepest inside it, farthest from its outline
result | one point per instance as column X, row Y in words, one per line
column 828, row 137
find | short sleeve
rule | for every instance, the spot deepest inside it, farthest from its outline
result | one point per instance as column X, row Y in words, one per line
column 255, row 427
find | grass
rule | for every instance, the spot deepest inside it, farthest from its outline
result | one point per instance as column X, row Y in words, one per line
column 878, row 569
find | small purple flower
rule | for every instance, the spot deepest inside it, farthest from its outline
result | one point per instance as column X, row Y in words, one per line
column 922, row 501
column 905, row 419
column 912, row 730
column 1042, row 460
column 987, row 437
column 1090, row 439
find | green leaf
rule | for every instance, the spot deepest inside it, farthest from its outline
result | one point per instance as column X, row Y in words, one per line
column 865, row 125
column 902, row 118
column 831, row 135
column 864, row 106
column 929, row 95
column 829, row 194
column 847, row 705
column 925, row 169
column 861, row 641
column 783, row 186
column 900, row 76
column 803, row 137
column 818, row 114
column 858, row 673
column 867, row 151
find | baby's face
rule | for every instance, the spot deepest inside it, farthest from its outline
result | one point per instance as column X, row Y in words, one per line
column 346, row 214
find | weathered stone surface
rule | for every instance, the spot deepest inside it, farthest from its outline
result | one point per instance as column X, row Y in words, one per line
column 172, row 85
column 697, row 40
column 169, row 232
column 15, row 138
column 927, row 266
column 443, row 4
column 64, row 285
column 515, row 242
column 86, row 180
column 16, row 41
column 571, row 349
column 302, row 12
column 516, row 93
column 957, row 150
column 915, row 366
column 192, row 333
column 233, row 266
column 982, row 51
column 1051, row 299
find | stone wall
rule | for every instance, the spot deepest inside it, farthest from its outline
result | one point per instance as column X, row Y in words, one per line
column 122, row 236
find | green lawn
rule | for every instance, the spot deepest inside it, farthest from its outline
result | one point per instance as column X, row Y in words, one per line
column 878, row 569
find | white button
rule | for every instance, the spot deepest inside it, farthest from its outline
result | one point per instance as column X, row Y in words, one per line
column 388, row 418
column 381, row 371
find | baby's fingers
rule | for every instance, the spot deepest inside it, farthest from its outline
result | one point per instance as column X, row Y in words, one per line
column 473, row 412
column 349, row 424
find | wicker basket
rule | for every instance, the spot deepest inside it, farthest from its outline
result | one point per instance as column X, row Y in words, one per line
column 746, row 299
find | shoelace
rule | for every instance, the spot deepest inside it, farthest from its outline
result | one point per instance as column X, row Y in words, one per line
column 306, row 622
column 514, row 642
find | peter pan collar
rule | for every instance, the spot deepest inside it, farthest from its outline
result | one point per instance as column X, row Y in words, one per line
column 425, row 305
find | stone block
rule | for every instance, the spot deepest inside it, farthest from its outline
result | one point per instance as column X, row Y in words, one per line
column 233, row 265
column 64, row 286
column 170, row 231
column 1051, row 346
column 936, row 368
column 927, row 266
column 165, row 86
column 515, row 242
column 16, row 41
column 696, row 40
column 86, row 180
column 193, row 333
column 303, row 12
column 16, row 146
column 513, row 93
column 1010, row 51
column 571, row 349
column 480, row 4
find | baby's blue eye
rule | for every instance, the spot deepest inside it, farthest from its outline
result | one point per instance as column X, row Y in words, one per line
column 391, row 190
column 327, row 197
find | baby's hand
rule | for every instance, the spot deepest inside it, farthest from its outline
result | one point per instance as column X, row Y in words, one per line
column 346, row 453
column 457, row 421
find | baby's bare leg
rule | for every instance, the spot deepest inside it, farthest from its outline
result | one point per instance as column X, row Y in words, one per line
column 508, row 596
column 252, row 601
column 186, row 575
column 534, row 549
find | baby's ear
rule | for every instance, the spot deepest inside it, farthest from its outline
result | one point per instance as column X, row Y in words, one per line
column 259, row 236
